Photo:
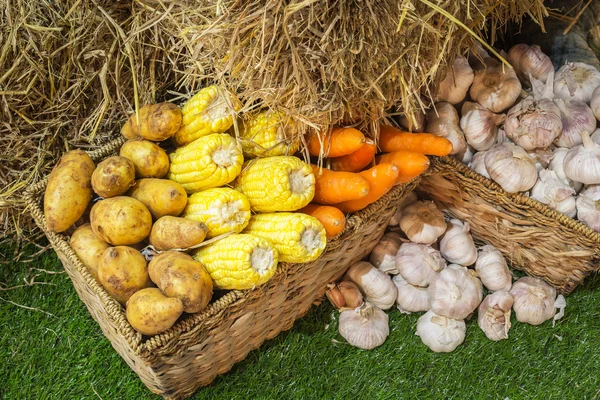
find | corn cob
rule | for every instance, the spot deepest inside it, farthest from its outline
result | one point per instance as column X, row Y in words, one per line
column 208, row 162
column 223, row 210
column 282, row 183
column 267, row 134
column 297, row 237
column 239, row 261
column 211, row 110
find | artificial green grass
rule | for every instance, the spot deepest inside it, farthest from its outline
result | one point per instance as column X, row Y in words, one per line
column 65, row 355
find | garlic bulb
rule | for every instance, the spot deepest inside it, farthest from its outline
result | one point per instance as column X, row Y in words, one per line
column 533, row 300
column 409, row 199
column 383, row 256
column 410, row 298
column 576, row 81
column 582, row 162
column 588, row 207
column 439, row 333
column 511, row 167
column 596, row 136
column 443, row 121
column 480, row 125
column 365, row 327
column 477, row 164
column 595, row 102
column 557, row 163
column 455, row 85
column 419, row 264
column 530, row 60
column 551, row 190
column 422, row 222
column 495, row 87
column 377, row 287
column 576, row 117
column 456, row 292
column 344, row 295
column 493, row 315
column 414, row 122
column 457, row 245
column 492, row 269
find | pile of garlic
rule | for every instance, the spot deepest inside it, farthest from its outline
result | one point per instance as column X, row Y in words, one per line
column 529, row 129
column 425, row 263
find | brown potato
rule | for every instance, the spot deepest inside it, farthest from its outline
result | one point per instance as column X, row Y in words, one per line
column 123, row 271
column 156, row 122
column 150, row 312
column 113, row 176
column 121, row 220
column 176, row 233
column 179, row 275
column 161, row 196
column 149, row 159
column 69, row 190
column 88, row 247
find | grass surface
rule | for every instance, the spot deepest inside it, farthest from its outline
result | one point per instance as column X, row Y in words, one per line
column 59, row 352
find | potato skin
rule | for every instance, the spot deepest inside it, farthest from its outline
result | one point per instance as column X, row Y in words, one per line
column 156, row 122
column 179, row 275
column 113, row 176
column 88, row 247
column 121, row 220
column 176, row 233
column 123, row 271
column 69, row 190
column 150, row 312
column 149, row 159
column 161, row 196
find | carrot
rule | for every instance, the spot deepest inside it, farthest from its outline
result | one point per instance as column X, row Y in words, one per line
column 381, row 178
column 332, row 218
column 337, row 186
column 357, row 160
column 409, row 163
column 337, row 143
column 392, row 139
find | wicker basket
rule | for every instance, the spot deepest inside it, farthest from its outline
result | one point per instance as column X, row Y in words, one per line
column 532, row 236
column 201, row 346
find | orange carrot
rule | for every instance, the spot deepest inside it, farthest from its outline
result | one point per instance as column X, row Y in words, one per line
column 409, row 163
column 357, row 160
column 337, row 143
column 337, row 186
column 332, row 218
column 392, row 139
column 381, row 178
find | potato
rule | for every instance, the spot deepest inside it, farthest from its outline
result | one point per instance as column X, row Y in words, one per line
column 149, row 159
column 69, row 190
column 113, row 176
column 88, row 247
column 177, row 233
column 156, row 122
column 123, row 271
column 179, row 275
column 150, row 312
column 121, row 220
column 161, row 196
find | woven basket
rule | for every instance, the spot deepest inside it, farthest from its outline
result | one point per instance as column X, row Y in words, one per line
column 533, row 237
column 201, row 346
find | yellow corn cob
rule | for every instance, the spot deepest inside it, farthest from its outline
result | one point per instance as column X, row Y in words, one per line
column 297, row 237
column 267, row 134
column 239, row 261
column 208, row 162
column 282, row 183
column 223, row 210
column 211, row 110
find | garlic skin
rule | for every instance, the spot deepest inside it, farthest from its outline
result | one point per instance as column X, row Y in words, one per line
column 576, row 117
column 477, row 164
column 377, row 287
column 595, row 102
column 511, row 167
column 533, row 300
column 582, row 162
column 493, row 315
column 551, row 190
column 408, row 200
column 456, row 292
column 383, row 256
column 557, row 163
column 493, row 270
column 457, row 244
column 351, row 293
column 410, row 298
column 576, row 81
column 365, row 327
column 440, row 334
column 588, row 207
column 530, row 60
column 422, row 222
column 419, row 264
column 455, row 85
column 480, row 125
column 442, row 120
column 414, row 122
column 495, row 87
column 467, row 156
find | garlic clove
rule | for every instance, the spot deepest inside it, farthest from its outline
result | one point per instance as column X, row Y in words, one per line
column 588, row 207
column 576, row 81
column 551, row 190
column 419, row 264
column 495, row 87
column 351, row 293
column 410, row 298
column 422, row 222
column 376, row 286
column 439, row 333
column 383, row 256
column 595, row 102
column 582, row 162
column 443, row 121
column 408, row 200
column 576, row 117
column 455, row 85
column 533, row 300
column 457, row 244
column 477, row 164
column 557, row 163
column 511, row 167
column 493, row 269
column 480, row 125
column 335, row 296
column 493, row 315
column 365, row 327
column 467, row 156
column 530, row 60
column 456, row 292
